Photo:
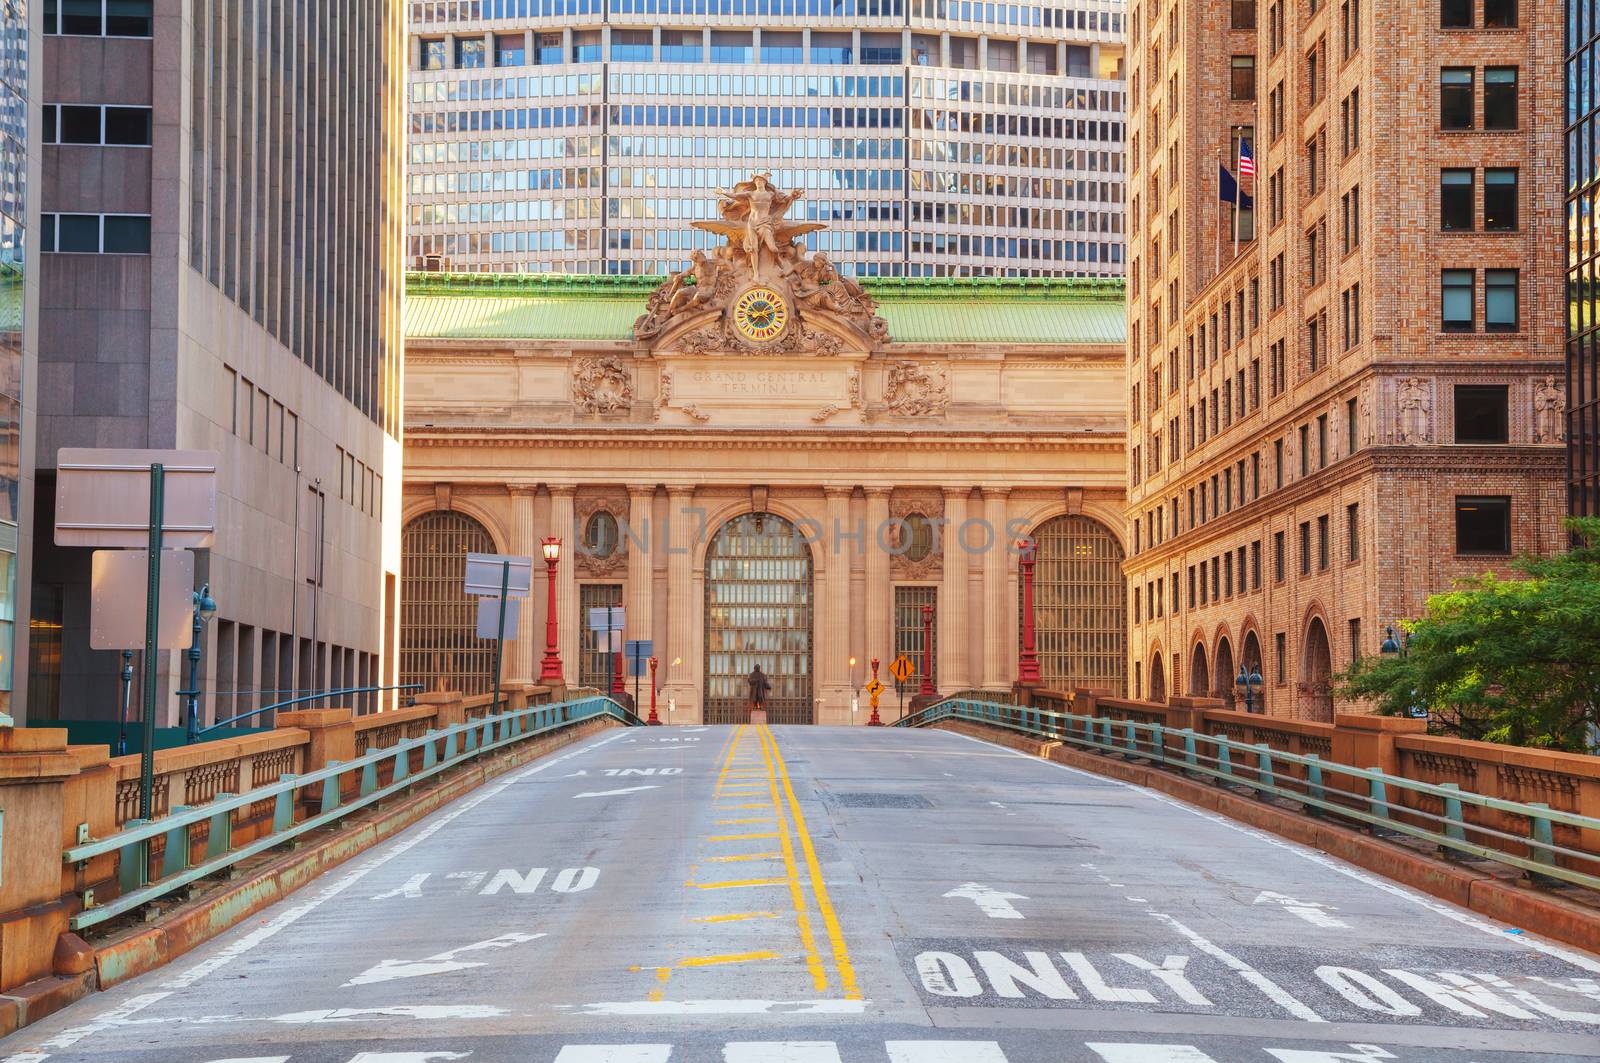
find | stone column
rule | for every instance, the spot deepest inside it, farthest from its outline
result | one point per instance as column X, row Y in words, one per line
column 567, row 618
column 879, row 593
column 639, row 543
column 996, row 584
column 683, row 640
column 944, row 49
column 951, row 622
column 833, row 670
column 524, row 664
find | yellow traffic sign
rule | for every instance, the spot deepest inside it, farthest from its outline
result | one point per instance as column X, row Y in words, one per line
column 902, row 668
column 875, row 688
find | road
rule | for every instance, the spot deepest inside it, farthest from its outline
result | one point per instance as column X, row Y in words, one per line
column 809, row 895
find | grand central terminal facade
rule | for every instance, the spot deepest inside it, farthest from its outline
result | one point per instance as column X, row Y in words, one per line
column 764, row 463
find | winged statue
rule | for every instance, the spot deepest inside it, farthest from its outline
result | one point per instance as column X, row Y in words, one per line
column 752, row 219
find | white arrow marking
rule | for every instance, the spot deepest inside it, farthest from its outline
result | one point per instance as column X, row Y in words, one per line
column 1360, row 1054
column 253, row 1059
column 990, row 901
column 412, row 888
column 1125, row 1053
column 613, row 793
column 426, row 1012
column 574, row 775
column 405, row 1057
column 1311, row 911
column 696, row 730
column 442, row 963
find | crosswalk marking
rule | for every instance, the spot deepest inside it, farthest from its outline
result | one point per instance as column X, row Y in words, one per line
column 614, row 1054
column 945, row 1052
column 781, row 1052
column 407, row 1057
column 1149, row 1053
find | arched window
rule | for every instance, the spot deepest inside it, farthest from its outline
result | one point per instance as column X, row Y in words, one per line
column 919, row 537
column 439, row 646
column 1080, row 602
column 600, row 535
column 758, row 612
column 1316, row 675
column 1158, row 679
column 1199, row 673
column 1222, row 682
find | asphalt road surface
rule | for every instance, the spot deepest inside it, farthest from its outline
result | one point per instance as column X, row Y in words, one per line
column 809, row 895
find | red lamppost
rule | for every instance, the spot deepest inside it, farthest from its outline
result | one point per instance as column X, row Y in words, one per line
column 876, row 721
column 1028, row 660
column 927, row 651
column 653, row 721
column 618, row 688
column 550, row 668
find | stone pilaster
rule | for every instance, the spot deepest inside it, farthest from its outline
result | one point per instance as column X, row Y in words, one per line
column 683, row 628
column 641, row 580
column 567, row 619
column 524, row 657
column 997, row 667
column 951, row 622
column 833, row 668
column 879, row 591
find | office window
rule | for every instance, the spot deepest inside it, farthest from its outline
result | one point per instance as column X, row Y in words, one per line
column 1352, row 441
column 1244, row 77
column 1456, row 200
column 1305, row 450
column 1481, row 413
column 631, row 46
column 1499, row 14
column 127, row 126
column 91, row 18
column 1322, row 543
column 1350, row 27
column 1500, row 300
column 1351, row 305
column 1352, row 524
column 1281, row 652
column 77, row 125
column 1455, row 14
column 1322, row 441
column 1355, row 639
column 1483, row 524
column 1277, row 557
column 1255, row 565
column 90, row 234
column 1350, row 119
column 1191, row 587
column 1352, row 218
column 1456, row 300
column 782, row 46
column 1305, row 548
column 1277, row 464
column 1500, row 200
column 510, row 49
column 470, row 53
column 1455, row 98
column 432, row 53
column 1243, row 15
column 1500, row 97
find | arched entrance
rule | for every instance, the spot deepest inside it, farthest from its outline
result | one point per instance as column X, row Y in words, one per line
column 1316, row 671
column 1080, row 606
column 758, row 611
column 439, row 645
column 1251, row 662
column 1224, row 673
column 1158, row 679
column 1199, row 674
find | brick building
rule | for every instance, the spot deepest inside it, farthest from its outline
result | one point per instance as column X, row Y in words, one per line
column 1351, row 395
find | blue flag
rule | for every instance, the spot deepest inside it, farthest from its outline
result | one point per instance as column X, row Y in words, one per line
column 1228, row 188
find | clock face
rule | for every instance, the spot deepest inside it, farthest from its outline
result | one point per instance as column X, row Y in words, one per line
column 760, row 314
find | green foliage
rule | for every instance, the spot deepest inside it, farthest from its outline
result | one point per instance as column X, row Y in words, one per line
column 1498, row 660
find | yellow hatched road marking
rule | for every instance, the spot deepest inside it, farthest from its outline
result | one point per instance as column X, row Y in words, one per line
column 736, row 917
column 732, row 957
column 739, row 837
column 737, row 883
column 819, row 889
column 738, row 822
column 735, row 808
column 746, row 856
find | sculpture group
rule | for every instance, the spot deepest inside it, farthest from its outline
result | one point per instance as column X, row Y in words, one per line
column 693, row 310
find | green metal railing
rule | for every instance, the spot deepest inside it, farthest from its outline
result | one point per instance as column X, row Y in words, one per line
column 441, row 750
column 1366, row 795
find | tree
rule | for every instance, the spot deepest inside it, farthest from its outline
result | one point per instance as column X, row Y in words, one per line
column 1503, row 660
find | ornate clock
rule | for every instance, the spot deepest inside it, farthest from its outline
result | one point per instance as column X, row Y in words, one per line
column 760, row 314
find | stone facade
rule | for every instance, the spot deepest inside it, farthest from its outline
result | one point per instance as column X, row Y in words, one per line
column 685, row 420
column 1308, row 387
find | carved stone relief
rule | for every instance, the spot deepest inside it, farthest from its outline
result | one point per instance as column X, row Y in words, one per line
column 1549, row 411
column 589, row 562
column 902, row 504
column 601, row 385
column 911, row 389
column 1413, row 421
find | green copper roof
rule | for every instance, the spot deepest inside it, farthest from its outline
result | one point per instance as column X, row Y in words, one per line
column 945, row 310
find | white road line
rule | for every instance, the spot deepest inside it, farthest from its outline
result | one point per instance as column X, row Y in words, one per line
column 200, row 971
column 440, row 963
column 780, row 1052
column 945, row 1052
column 406, row 1057
column 1152, row 1053
column 1269, row 989
column 253, row 1059
column 1443, row 908
column 614, row 1054
column 426, row 1012
column 727, row 1007
column 614, row 793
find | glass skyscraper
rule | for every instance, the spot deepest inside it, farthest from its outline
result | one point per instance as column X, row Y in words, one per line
column 935, row 137
column 1583, row 259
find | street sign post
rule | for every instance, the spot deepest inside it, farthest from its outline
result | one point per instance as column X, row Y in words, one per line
column 98, row 503
column 639, row 653
column 902, row 669
column 497, row 578
column 489, row 620
column 117, row 606
column 610, row 619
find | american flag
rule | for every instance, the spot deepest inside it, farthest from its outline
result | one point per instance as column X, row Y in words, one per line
column 1247, row 164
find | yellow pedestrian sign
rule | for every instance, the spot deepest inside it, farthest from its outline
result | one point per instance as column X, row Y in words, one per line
column 902, row 668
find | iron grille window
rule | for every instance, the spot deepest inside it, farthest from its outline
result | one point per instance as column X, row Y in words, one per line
column 1080, row 606
column 758, row 611
column 908, row 603
column 595, row 667
column 439, row 646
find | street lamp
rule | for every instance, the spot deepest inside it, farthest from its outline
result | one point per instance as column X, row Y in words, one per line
column 927, row 687
column 855, row 682
column 654, row 720
column 1249, row 679
column 1028, row 661
column 1398, row 647
column 204, row 609
column 550, row 668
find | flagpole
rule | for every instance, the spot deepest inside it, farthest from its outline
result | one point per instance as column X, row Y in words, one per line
column 1238, row 186
column 1216, row 247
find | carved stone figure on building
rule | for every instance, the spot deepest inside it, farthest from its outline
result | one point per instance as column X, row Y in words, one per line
column 601, row 385
column 1413, row 414
column 1549, row 411
column 912, row 390
column 760, row 292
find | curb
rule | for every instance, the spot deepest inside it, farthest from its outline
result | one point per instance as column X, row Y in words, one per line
column 141, row 950
column 1506, row 901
